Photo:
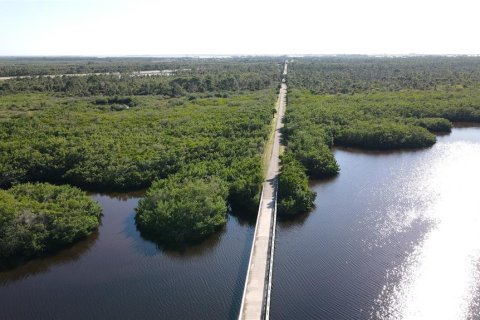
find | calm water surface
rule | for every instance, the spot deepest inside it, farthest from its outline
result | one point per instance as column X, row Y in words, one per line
column 394, row 236
column 115, row 274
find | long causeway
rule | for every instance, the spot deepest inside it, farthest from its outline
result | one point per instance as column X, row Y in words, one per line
column 258, row 283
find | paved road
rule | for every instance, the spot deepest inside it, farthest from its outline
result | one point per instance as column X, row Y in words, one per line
column 256, row 296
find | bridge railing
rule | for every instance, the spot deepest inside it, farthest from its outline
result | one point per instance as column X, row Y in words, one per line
column 242, row 305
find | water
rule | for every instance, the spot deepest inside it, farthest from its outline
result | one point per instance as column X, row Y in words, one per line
column 115, row 274
column 394, row 236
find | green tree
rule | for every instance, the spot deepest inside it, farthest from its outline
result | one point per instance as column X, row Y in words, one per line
column 178, row 211
column 39, row 218
column 294, row 196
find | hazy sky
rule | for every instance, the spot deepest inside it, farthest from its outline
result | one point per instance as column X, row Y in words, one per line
column 163, row 27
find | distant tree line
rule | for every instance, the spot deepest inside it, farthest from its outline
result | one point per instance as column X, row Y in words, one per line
column 36, row 66
column 354, row 74
column 111, row 85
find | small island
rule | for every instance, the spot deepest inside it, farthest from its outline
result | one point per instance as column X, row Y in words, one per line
column 40, row 218
column 183, row 211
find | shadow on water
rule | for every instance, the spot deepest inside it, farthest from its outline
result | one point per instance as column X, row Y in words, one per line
column 386, row 152
column 286, row 222
column 299, row 220
column 195, row 249
column 314, row 183
column 245, row 215
column 296, row 221
column 240, row 280
column 150, row 245
column 19, row 270
column 244, row 218
column 140, row 244
column 466, row 124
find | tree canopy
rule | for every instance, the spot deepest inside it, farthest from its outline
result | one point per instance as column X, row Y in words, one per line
column 40, row 218
column 179, row 211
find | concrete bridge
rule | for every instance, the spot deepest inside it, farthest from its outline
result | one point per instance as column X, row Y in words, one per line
column 258, row 283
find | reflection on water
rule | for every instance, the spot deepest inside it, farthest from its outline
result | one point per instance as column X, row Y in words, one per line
column 43, row 265
column 116, row 274
column 394, row 236
column 439, row 277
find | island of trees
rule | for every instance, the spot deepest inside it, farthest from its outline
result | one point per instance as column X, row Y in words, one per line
column 39, row 218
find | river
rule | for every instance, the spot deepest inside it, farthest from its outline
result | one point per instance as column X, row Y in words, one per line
column 394, row 236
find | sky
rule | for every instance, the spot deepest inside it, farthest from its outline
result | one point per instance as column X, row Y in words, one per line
column 227, row 27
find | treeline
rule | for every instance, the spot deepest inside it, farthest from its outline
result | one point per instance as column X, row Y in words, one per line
column 387, row 120
column 24, row 66
column 354, row 74
column 112, row 85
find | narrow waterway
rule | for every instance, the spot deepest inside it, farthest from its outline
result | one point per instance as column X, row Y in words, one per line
column 116, row 274
column 395, row 236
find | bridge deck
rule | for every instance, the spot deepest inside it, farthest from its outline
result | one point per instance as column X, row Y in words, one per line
column 256, row 296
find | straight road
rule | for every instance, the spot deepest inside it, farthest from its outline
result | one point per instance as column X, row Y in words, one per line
column 256, row 296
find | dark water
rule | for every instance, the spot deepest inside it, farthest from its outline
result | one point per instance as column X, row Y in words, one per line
column 115, row 274
column 394, row 236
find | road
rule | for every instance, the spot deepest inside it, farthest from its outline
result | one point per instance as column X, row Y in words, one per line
column 256, row 296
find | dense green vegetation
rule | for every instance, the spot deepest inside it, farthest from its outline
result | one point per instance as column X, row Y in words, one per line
column 89, row 145
column 39, row 218
column 201, row 128
column 294, row 196
column 179, row 211
column 110, row 85
column 202, row 124
column 385, row 120
column 357, row 74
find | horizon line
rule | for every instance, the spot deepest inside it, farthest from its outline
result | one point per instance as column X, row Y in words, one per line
column 206, row 56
